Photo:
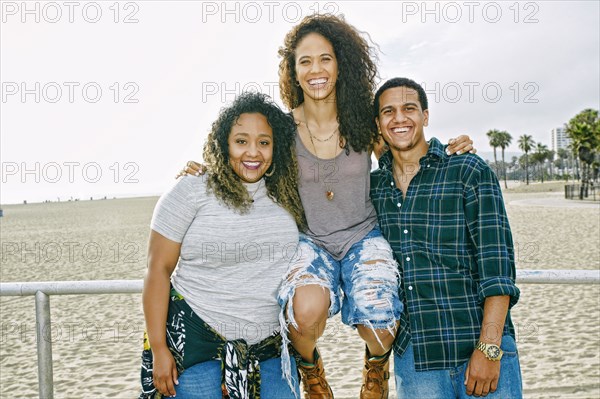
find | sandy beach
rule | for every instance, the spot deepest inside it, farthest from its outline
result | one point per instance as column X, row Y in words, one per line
column 98, row 338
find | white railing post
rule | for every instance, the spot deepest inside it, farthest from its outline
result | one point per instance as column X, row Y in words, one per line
column 44, row 345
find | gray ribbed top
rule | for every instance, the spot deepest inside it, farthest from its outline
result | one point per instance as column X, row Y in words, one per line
column 231, row 265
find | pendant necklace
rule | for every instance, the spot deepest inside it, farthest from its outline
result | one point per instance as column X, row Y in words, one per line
column 328, row 191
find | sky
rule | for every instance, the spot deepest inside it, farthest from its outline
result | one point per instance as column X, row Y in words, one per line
column 112, row 98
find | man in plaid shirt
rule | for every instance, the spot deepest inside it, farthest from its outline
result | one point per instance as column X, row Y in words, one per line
column 446, row 222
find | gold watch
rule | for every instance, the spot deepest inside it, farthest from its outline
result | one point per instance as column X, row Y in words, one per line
column 491, row 351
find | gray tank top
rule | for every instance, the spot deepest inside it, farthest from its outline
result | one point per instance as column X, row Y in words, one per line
column 338, row 224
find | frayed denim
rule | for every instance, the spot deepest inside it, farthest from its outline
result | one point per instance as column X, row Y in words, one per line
column 363, row 285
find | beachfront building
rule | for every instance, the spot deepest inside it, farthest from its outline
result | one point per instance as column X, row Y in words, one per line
column 559, row 138
column 560, row 141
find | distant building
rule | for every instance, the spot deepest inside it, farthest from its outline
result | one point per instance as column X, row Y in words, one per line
column 559, row 138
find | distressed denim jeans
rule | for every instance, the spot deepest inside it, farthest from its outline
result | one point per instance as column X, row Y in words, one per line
column 364, row 284
column 448, row 384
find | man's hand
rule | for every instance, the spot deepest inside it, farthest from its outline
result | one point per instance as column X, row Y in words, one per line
column 192, row 168
column 482, row 375
column 164, row 371
column 460, row 145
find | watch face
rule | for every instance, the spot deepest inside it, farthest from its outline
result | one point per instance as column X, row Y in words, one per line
column 493, row 352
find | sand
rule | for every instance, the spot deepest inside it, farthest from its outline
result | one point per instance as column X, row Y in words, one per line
column 97, row 338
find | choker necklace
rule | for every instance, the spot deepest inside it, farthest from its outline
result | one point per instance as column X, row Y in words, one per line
column 255, row 191
column 328, row 191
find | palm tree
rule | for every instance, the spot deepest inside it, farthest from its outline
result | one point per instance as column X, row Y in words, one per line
column 494, row 143
column 584, row 131
column 514, row 163
column 574, row 160
column 550, row 158
column 540, row 156
column 504, row 140
column 526, row 143
column 562, row 154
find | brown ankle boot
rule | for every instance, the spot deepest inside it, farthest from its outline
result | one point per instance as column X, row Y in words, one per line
column 375, row 377
column 314, row 384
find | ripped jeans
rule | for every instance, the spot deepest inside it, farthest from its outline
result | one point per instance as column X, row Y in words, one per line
column 364, row 284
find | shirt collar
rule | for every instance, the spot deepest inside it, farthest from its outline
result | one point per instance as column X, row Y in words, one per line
column 436, row 151
column 385, row 161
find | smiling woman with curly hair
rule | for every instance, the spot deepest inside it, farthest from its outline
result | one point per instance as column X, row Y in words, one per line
column 356, row 76
column 281, row 178
column 327, row 77
column 212, row 324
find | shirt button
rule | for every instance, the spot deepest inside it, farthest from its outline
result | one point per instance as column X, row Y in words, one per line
column 408, row 258
column 428, row 165
column 405, row 231
column 399, row 205
column 392, row 184
column 410, row 287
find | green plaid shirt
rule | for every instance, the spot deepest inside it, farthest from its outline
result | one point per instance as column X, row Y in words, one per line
column 453, row 243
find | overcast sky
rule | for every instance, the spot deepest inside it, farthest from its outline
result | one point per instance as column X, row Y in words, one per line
column 103, row 99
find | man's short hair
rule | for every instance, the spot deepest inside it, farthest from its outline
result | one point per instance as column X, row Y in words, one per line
column 401, row 82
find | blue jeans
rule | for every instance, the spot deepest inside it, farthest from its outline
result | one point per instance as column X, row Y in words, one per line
column 444, row 384
column 203, row 381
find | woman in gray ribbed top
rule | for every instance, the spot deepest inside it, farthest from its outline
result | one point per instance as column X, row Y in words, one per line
column 227, row 238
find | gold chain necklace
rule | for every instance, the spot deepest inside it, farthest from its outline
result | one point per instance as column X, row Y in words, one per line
column 328, row 191
column 318, row 139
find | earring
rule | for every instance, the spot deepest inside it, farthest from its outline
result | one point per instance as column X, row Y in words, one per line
column 298, row 83
column 269, row 174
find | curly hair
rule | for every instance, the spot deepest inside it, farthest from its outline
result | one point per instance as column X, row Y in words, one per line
column 282, row 185
column 356, row 81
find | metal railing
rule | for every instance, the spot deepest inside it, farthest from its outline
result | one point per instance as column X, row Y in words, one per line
column 42, row 291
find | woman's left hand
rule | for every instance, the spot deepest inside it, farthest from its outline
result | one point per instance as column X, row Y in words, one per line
column 460, row 145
